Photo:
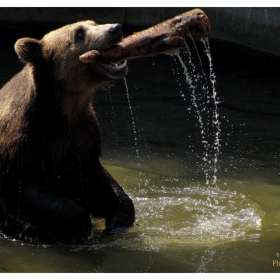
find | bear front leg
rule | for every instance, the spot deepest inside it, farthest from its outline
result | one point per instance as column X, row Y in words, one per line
column 121, row 212
column 51, row 219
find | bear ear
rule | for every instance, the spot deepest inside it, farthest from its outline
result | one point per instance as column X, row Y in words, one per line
column 28, row 50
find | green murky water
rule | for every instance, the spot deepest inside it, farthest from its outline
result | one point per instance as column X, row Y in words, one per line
column 184, row 225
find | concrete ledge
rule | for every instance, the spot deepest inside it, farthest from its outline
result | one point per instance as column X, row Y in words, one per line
column 258, row 28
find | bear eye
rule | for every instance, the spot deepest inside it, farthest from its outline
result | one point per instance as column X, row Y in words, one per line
column 80, row 34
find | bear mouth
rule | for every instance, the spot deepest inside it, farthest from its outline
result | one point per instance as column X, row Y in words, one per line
column 115, row 70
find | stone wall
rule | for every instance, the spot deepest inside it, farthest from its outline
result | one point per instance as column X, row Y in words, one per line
column 258, row 28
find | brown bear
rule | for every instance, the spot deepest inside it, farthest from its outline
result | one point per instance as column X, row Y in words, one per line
column 51, row 180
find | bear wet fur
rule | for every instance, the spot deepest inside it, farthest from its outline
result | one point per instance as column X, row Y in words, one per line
column 51, row 180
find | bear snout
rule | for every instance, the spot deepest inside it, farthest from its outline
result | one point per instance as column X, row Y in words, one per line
column 116, row 29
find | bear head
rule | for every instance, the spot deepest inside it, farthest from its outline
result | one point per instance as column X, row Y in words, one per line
column 60, row 49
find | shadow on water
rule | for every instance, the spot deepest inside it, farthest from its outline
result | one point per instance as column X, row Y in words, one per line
column 155, row 151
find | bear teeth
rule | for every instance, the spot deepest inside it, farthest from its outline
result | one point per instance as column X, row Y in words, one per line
column 114, row 67
column 118, row 64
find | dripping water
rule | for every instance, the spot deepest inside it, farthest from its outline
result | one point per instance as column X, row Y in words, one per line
column 138, row 121
column 204, row 104
column 194, row 44
column 190, row 76
column 135, row 136
column 113, row 113
column 19, row 203
column 216, row 121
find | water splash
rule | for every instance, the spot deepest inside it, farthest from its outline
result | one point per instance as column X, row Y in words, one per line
column 230, row 219
column 206, row 258
column 172, row 216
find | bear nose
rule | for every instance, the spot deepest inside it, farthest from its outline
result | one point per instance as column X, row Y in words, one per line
column 115, row 29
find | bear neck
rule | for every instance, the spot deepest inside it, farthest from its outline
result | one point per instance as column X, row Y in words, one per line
column 57, row 123
column 74, row 103
column 59, row 97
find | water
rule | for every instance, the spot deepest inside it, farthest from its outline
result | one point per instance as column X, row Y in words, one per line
column 132, row 119
column 204, row 103
column 184, row 225
column 112, row 115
